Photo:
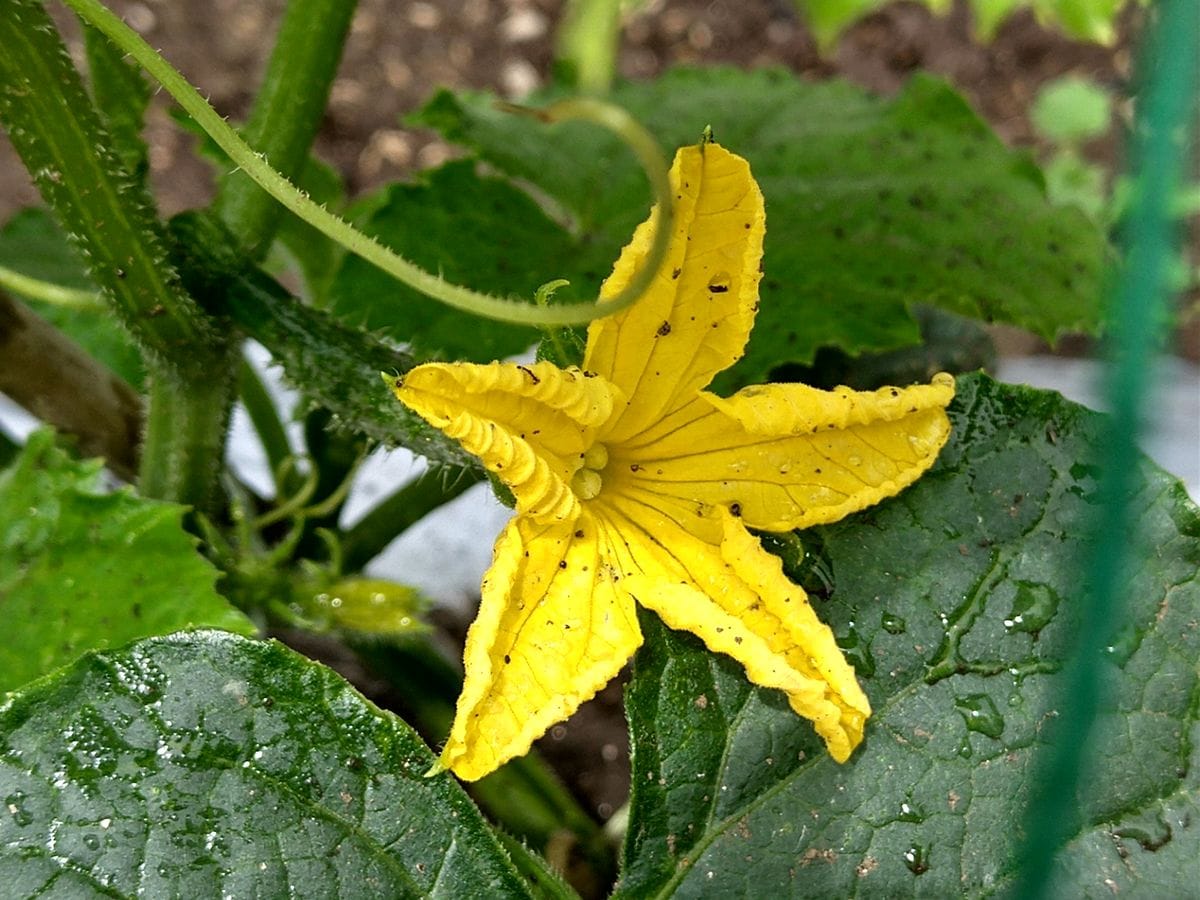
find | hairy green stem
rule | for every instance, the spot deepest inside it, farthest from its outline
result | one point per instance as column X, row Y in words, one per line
column 110, row 218
column 286, row 114
column 182, row 451
column 403, row 509
column 588, row 39
column 57, row 132
column 337, row 229
column 1169, row 78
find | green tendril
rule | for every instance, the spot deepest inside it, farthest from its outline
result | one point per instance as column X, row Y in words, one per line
column 510, row 309
column 47, row 292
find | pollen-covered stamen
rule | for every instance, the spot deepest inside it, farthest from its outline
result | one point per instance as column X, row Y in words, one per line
column 587, row 481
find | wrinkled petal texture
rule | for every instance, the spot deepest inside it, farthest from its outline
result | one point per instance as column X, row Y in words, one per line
column 551, row 632
column 528, row 424
column 696, row 317
column 734, row 596
column 786, row 456
column 635, row 485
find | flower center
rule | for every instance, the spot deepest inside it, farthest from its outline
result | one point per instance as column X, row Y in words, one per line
column 587, row 481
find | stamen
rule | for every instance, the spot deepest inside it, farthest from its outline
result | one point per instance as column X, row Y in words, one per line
column 586, row 484
column 596, row 457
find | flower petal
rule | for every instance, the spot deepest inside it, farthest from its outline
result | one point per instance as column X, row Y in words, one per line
column 529, row 425
column 727, row 590
column 551, row 632
column 786, row 456
column 696, row 316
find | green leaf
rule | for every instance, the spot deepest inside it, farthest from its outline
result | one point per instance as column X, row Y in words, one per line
column 208, row 765
column 478, row 231
column 957, row 602
column 121, row 95
column 32, row 244
column 82, row 569
column 873, row 206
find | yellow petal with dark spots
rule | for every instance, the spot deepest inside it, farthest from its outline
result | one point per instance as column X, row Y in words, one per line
column 785, row 456
column 551, row 632
column 724, row 588
column 695, row 318
column 530, row 425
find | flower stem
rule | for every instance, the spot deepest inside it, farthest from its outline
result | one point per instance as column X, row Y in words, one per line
column 264, row 416
column 337, row 229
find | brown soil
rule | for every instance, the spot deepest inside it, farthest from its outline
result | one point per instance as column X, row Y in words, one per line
column 399, row 52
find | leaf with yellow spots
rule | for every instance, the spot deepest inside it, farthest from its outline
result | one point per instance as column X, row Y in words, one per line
column 633, row 484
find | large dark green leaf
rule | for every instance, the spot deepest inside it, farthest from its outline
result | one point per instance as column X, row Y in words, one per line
column 476, row 231
column 82, row 569
column 873, row 205
column 208, row 765
column 957, row 602
column 32, row 244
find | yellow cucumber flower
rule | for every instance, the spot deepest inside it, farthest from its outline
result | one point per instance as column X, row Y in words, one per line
column 635, row 485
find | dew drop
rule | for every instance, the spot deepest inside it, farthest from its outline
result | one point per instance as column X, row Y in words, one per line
column 1032, row 609
column 91, row 842
column 15, row 803
column 916, row 858
column 980, row 714
column 892, row 623
column 1124, row 645
column 911, row 812
column 857, row 652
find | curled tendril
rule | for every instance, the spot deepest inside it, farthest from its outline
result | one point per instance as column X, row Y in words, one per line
column 47, row 292
column 297, row 505
column 509, row 309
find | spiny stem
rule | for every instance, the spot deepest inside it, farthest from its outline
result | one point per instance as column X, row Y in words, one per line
column 337, row 229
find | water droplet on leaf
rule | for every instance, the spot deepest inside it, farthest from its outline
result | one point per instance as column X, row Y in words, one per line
column 980, row 713
column 892, row 623
column 1032, row 609
column 916, row 858
column 15, row 803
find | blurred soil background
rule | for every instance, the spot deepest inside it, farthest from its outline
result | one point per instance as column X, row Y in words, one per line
column 400, row 51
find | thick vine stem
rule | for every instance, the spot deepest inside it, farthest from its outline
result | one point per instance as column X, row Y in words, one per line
column 504, row 309
column 287, row 112
column 109, row 217
column 111, row 220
